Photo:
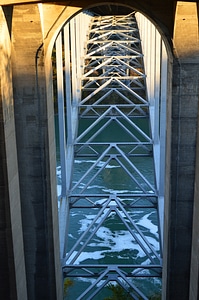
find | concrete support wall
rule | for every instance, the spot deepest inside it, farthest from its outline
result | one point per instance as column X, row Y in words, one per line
column 29, row 240
column 193, row 95
column 194, row 274
column 182, row 179
column 36, row 156
column 12, row 266
column 185, row 87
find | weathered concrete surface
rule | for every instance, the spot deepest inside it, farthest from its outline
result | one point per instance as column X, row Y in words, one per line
column 36, row 156
column 185, row 89
column 192, row 88
column 183, row 153
column 194, row 275
column 12, row 266
column 160, row 12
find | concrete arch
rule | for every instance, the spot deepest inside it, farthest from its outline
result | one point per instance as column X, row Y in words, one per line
column 54, row 16
column 35, row 136
column 168, row 117
column 183, row 9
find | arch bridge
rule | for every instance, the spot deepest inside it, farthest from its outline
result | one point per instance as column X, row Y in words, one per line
column 30, row 245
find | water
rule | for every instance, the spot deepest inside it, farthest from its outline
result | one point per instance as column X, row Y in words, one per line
column 112, row 243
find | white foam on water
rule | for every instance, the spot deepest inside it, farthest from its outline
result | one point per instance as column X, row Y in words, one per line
column 145, row 222
column 91, row 281
column 95, row 186
column 117, row 241
column 71, row 236
column 100, row 164
column 84, row 225
column 113, row 191
column 101, row 201
column 153, row 242
column 82, row 185
column 73, row 214
column 84, row 256
column 89, row 218
column 146, row 262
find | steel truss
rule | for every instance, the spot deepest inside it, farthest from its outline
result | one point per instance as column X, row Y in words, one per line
column 113, row 97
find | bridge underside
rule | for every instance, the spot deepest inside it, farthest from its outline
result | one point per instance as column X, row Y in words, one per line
column 28, row 200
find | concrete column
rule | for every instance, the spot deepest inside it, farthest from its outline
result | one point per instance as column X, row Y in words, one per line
column 12, row 266
column 183, row 156
column 194, row 272
column 36, row 156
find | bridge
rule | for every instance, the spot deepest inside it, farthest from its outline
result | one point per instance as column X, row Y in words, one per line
column 33, row 243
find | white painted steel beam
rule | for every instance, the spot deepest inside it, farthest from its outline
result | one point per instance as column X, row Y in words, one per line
column 69, row 45
column 155, row 58
column 61, row 112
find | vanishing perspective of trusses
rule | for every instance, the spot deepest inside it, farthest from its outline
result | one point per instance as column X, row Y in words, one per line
column 102, row 91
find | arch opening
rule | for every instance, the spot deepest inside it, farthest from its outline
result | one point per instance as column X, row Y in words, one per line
column 111, row 91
